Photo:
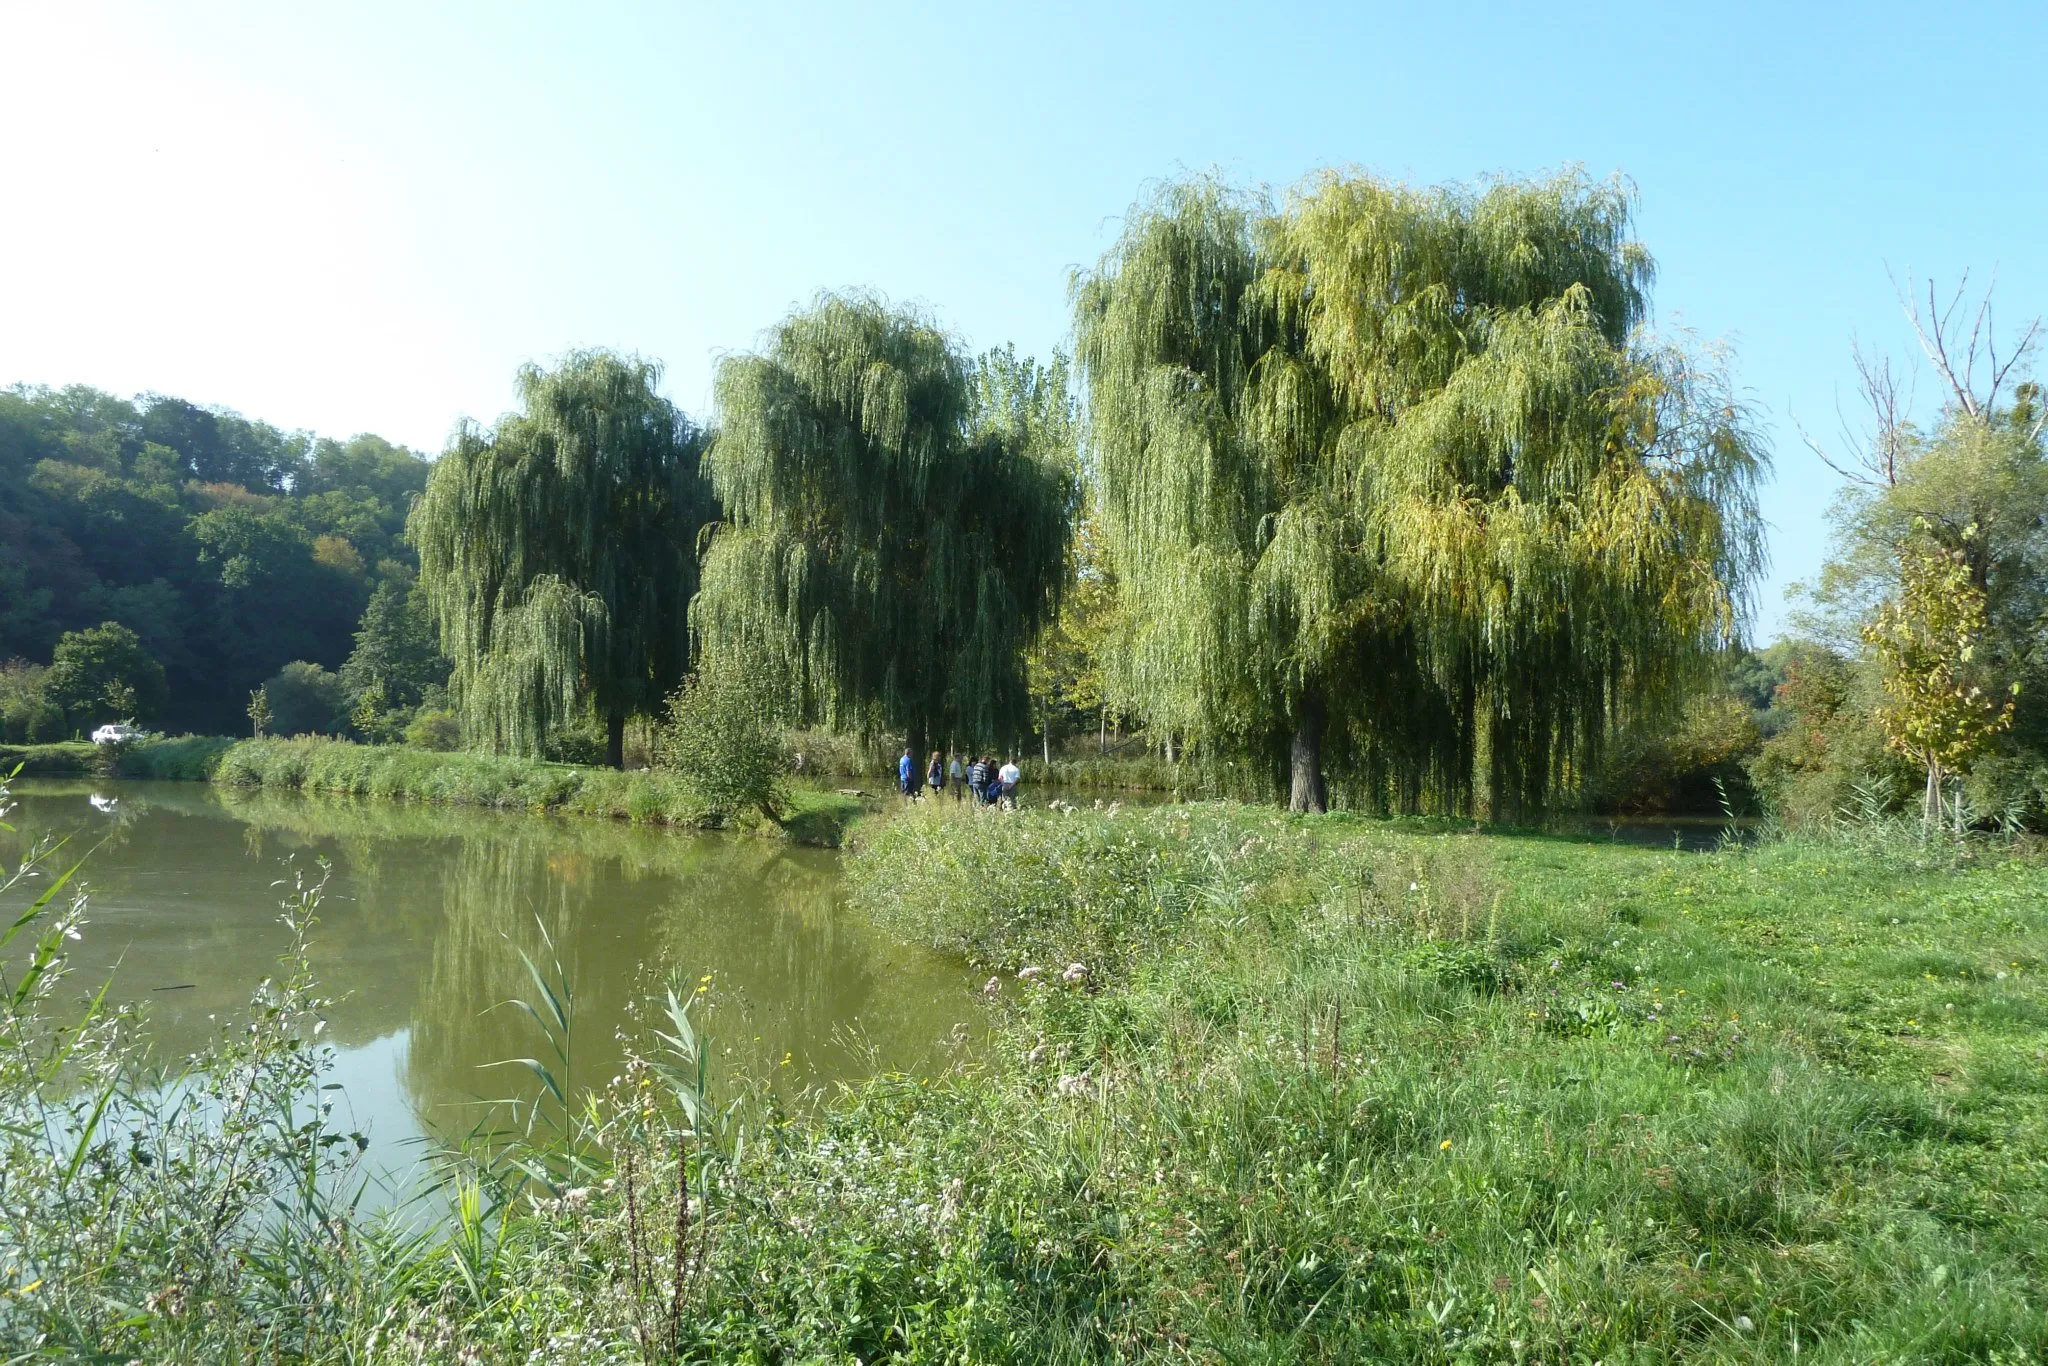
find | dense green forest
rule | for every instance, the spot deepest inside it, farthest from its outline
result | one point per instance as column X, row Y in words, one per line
column 227, row 547
column 1360, row 495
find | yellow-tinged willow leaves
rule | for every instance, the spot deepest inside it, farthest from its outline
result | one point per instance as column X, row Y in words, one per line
column 1403, row 457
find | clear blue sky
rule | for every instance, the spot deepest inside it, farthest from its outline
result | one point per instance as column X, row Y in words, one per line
column 364, row 216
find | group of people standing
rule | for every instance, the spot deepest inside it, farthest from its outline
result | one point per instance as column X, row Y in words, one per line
column 991, row 783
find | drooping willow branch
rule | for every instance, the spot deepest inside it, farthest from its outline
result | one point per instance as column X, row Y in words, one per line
column 896, row 523
column 558, row 551
column 1403, row 459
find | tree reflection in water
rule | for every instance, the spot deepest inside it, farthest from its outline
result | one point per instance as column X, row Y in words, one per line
column 429, row 910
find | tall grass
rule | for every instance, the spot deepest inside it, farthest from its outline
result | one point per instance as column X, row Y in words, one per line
column 64, row 759
column 166, row 1212
column 1332, row 1090
column 211, row 1210
column 186, row 757
column 1258, row 1088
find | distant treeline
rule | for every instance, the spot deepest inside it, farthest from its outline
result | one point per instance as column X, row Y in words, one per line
column 227, row 546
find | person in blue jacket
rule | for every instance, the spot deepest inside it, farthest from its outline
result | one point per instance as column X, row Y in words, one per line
column 906, row 775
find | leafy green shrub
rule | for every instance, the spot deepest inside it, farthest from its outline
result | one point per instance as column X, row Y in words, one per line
column 580, row 743
column 306, row 699
column 439, row 731
column 718, row 738
column 1827, row 755
column 1686, row 765
column 27, row 716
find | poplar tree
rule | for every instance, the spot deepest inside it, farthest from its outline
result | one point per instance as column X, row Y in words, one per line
column 558, row 553
column 896, row 521
column 1391, row 470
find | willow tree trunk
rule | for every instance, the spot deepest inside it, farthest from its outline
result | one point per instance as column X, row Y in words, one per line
column 1305, row 758
column 1045, row 728
column 615, row 739
column 1484, row 806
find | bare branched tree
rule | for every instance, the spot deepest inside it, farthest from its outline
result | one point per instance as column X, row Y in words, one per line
column 1960, row 353
column 1962, row 345
column 1872, row 458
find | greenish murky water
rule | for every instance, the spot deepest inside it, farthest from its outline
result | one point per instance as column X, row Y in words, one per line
column 420, row 936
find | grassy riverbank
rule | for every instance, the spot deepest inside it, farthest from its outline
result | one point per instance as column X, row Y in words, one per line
column 342, row 767
column 61, row 760
column 1318, row 1089
column 1341, row 1090
column 183, row 757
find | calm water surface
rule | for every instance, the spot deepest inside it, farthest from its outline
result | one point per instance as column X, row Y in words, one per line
column 427, row 912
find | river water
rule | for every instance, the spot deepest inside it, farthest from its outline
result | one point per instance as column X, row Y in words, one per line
column 426, row 914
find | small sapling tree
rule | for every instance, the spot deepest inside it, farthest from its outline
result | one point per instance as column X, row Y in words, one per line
column 1936, row 709
column 718, row 737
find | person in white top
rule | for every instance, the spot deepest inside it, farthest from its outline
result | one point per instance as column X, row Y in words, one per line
column 957, row 771
column 1009, row 775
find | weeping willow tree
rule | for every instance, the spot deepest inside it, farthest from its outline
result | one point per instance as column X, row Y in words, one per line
column 896, row 524
column 558, row 553
column 1391, row 476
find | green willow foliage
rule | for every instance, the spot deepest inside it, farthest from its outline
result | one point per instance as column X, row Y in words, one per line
column 896, row 523
column 558, row 552
column 1399, row 463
